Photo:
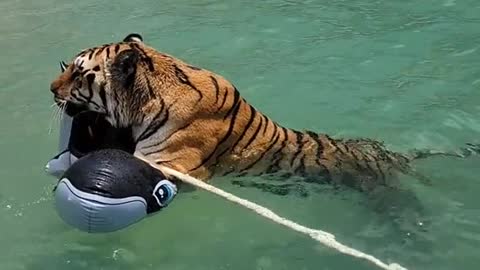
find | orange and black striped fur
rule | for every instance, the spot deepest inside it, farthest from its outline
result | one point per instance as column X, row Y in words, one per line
column 196, row 121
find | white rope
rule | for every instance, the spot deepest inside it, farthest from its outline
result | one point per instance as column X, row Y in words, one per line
column 325, row 238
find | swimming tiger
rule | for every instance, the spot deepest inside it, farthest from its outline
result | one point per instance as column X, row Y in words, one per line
column 196, row 121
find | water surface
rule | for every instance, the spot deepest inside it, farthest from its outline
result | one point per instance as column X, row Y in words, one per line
column 405, row 72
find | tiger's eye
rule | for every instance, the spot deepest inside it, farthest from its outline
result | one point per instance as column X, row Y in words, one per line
column 78, row 82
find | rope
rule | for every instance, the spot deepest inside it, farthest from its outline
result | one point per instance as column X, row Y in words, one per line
column 325, row 238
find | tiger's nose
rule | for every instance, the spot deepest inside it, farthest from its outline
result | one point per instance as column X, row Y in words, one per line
column 54, row 86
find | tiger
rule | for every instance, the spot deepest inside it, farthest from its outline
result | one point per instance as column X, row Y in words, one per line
column 195, row 121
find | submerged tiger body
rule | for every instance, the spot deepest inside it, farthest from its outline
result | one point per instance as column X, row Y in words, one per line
column 196, row 121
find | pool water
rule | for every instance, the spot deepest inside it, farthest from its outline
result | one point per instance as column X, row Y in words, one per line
column 405, row 72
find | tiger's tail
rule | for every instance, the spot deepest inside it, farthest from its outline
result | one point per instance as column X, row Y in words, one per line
column 470, row 149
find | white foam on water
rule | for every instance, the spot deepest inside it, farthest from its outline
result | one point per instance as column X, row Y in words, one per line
column 398, row 46
column 449, row 3
column 465, row 52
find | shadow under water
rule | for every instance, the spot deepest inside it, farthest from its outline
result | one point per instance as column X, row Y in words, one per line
column 395, row 205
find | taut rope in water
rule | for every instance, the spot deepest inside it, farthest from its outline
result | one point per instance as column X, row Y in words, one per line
column 325, row 238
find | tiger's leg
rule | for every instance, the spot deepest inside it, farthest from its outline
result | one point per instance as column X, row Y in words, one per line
column 404, row 211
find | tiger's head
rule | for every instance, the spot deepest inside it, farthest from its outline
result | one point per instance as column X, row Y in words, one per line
column 126, row 81
column 101, row 79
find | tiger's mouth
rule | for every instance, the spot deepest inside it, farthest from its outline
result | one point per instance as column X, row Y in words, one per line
column 72, row 109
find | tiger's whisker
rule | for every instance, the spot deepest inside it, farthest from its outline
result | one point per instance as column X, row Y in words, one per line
column 57, row 115
column 53, row 116
column 54, row 120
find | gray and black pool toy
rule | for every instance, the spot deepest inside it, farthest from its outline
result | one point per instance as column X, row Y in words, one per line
column 101, row 186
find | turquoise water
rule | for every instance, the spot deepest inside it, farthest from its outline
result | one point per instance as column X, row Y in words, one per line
column 405, row 72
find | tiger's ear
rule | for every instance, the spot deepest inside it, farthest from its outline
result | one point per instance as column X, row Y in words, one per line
column 63, row 66
column 124, row 66
column 133, row 37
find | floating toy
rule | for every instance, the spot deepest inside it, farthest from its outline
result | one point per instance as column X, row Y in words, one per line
column 102, row 187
